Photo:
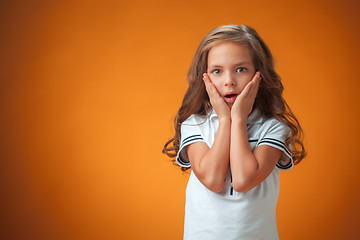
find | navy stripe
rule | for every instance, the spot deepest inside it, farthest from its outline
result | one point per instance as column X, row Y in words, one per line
column 284, row 166
column 253, row 140
column 276, row 140
column 184, row 142
column 191, row 140
column 197, row 135
column 231, row 186
column 277, row 144
column 182, row 162
column 281, row 144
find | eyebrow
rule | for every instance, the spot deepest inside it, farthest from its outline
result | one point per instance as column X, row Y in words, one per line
column 237, row 64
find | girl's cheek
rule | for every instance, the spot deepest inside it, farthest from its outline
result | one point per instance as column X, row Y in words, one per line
column 217, row 85
column 216, row 77
column 213, row 77
column 216, row 81
column 248, row 78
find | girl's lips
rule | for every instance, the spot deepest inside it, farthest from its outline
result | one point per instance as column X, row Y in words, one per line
column 230, row 98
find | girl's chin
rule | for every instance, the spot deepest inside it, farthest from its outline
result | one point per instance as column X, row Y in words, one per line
column 230, row 104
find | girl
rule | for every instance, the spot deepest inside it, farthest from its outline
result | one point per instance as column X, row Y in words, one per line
column 235, row 131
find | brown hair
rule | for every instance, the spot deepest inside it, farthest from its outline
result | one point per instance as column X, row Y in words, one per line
column 269, row 100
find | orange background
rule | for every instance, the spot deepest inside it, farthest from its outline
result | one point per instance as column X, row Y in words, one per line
column 89, row 90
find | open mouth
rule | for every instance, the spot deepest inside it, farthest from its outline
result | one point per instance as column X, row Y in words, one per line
column 230, row 98
column 230, row 95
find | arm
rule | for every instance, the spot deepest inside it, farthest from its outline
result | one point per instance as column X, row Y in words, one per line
column 248, row 168
column 210, row 165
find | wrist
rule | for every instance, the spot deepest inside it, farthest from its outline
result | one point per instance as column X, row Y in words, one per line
column 225, row 119
column 239, row 121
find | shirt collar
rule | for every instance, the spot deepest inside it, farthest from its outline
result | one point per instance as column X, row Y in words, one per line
column 254, row 117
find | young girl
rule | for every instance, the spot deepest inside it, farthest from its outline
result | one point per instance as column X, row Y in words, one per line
column 235, row 131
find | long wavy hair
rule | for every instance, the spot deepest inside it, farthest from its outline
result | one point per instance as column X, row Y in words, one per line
column 269, row 100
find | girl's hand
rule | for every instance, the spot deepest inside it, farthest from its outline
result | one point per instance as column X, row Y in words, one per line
column 218, row 103
column 243, row 104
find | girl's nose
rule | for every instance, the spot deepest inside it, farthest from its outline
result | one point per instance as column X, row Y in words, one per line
column 230, row 80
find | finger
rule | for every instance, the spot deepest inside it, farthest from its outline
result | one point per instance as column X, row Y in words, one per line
column 212, row 87
column 252, row 87
column 257, row 85
column 207, row 84
column 256, row 81
column 248, row 88
column 207, row 79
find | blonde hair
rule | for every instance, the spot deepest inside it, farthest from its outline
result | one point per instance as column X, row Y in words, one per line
column 269, row 100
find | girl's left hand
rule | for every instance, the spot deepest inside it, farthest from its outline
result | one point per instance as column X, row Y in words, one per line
column 217, row 102
column 243, row 104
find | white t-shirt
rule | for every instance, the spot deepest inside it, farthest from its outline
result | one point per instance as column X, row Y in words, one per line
column 230, row 214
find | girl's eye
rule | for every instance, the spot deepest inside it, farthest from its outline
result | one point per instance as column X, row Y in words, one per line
column 241, row 69
column 216, row 71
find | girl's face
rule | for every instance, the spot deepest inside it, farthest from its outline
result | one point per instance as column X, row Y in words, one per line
column 230, row 68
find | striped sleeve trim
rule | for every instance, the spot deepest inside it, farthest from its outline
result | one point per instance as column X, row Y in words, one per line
column 281, row 146
column 182, row 163
column 184, row 143
column 190, row 139
column 275, row 142
column 286, row 166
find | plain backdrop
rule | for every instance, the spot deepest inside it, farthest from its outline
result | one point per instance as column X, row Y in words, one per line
column 88, row 94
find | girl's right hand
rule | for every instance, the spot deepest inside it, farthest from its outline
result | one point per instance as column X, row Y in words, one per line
column 217, row 102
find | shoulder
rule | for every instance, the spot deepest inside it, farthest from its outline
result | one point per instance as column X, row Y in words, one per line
column 272, row 131
column 193, row 129
column 275, row 127
column 195, row 119
column 198, row 122
column 258, row 125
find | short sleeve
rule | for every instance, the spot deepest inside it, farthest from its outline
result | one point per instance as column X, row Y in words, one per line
column 191, row 132
column 275, row 137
